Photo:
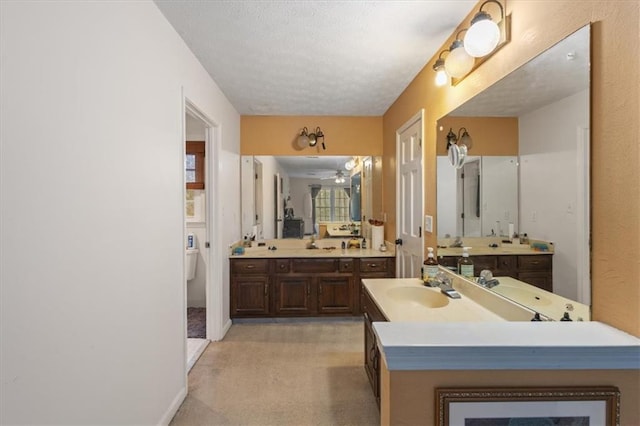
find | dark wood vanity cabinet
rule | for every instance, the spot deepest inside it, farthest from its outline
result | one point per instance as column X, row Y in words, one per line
column 250, row 287
column 371, row 353
column 286, row 287
column 534, row 269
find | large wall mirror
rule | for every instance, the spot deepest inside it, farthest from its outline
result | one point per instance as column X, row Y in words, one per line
column 528, row 164
column 299, row 196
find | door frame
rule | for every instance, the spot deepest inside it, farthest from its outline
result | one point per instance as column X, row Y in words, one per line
column 214, row 273
column 419, row 116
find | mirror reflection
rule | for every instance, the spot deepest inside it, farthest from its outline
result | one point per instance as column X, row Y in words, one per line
column 524, row 183
column 299, row 196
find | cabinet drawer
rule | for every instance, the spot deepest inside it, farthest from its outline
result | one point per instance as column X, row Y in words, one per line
column 346, row 265
column 282, row 266
column 506, row 263
column 249, row 266
column 536, row 262
column 373, row 265
column 313, row 265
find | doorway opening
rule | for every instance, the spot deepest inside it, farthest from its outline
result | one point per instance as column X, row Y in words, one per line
column 196, row 224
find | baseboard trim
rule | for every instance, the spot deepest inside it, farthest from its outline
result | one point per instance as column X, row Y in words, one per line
column 173, row 407
column 225, row 328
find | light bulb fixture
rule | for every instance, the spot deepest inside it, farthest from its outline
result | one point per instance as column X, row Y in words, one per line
column 441, row 75
column 349, row 165
column 451, row 138
column 306, row 139
column 458, row 62
column 465, row 138
column 462, row 138
column 484, row 34
column 303, row 139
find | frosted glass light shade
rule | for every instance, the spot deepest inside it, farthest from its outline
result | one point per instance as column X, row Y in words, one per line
column 458, row 63
column 482, row 38
column 441, row 77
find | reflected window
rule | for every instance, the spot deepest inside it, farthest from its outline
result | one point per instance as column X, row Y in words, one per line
column 332, row 205
column 194, row 164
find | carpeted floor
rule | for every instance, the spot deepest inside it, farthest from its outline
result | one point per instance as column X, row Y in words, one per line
column 197, row 323
column 302, row 373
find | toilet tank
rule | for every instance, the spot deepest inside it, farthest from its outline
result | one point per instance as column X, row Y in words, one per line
column 191, row 258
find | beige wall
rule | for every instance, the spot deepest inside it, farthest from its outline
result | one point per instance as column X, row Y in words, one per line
column 412, row 393
column 276, row 135
column 490, row 135
column 615, row 173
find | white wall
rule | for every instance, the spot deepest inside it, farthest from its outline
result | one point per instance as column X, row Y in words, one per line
column 92, row 197
column 446, row 198
column 549, row 182
column 269, row 168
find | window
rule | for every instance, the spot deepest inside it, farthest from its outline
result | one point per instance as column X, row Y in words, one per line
column 332, row 205
column 194, row 165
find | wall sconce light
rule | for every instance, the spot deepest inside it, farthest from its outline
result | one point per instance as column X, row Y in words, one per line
column 484, row 35
column 349, row 165
column 306, row 139
column 463, row 137
column 458, row 62
column 457, row 152
column 438, row 67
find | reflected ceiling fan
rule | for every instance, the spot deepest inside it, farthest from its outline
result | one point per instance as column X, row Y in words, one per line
column 339, row 177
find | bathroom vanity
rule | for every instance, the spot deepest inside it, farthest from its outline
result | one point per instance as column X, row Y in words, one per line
column 418, row 341
column 297, row 282
column 521, row 262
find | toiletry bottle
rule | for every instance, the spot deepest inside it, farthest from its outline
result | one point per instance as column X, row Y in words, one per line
column 364, row 243
column 465, row 265
column 429, row 267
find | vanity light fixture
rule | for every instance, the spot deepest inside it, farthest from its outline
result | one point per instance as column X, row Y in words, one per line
column 458, row 62
column 349, row 165
column 458, row 146
column 484, row 34
column 441, row 75
column 306, row 139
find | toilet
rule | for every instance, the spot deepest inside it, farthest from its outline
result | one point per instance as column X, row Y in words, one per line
column 191, row 263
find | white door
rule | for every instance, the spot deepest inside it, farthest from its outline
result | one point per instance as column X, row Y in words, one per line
column 409, row 209
column 279, row 205
column 470, row 176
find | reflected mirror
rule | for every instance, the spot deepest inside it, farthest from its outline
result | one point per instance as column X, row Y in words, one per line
column 302, row 196
column 527, row 172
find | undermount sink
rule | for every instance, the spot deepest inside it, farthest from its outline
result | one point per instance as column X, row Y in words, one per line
column 429, row 298
column 521, row 295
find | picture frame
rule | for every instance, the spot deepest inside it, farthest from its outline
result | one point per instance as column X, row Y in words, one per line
column 566, row 406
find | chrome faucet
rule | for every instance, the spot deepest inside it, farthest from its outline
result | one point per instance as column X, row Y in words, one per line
column 486, row 279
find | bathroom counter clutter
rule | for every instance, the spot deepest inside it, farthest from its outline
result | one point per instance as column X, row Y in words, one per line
column 289, row 248
column 407, row 299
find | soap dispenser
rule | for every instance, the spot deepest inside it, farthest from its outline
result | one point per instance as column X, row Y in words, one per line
column 465, row 265
column 429, row 267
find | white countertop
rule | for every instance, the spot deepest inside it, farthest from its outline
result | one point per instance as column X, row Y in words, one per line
column 546, row 303
column 394, row 309
column 263, row 252
column 506, row 346
column 327, row 247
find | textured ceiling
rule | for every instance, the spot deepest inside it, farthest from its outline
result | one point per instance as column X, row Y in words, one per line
column 313, row 167
column 302, row 57
column 556, row 73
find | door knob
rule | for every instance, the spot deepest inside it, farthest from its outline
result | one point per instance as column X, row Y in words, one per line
column 399, row 241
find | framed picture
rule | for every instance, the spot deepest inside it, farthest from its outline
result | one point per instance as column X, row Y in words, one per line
column 566, row 406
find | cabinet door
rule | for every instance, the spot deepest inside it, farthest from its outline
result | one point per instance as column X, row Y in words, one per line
column 294, row 296
column 250, row 296
column 335, row 295
column 371, row 357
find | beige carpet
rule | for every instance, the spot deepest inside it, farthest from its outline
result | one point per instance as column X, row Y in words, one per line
column 293, row 373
